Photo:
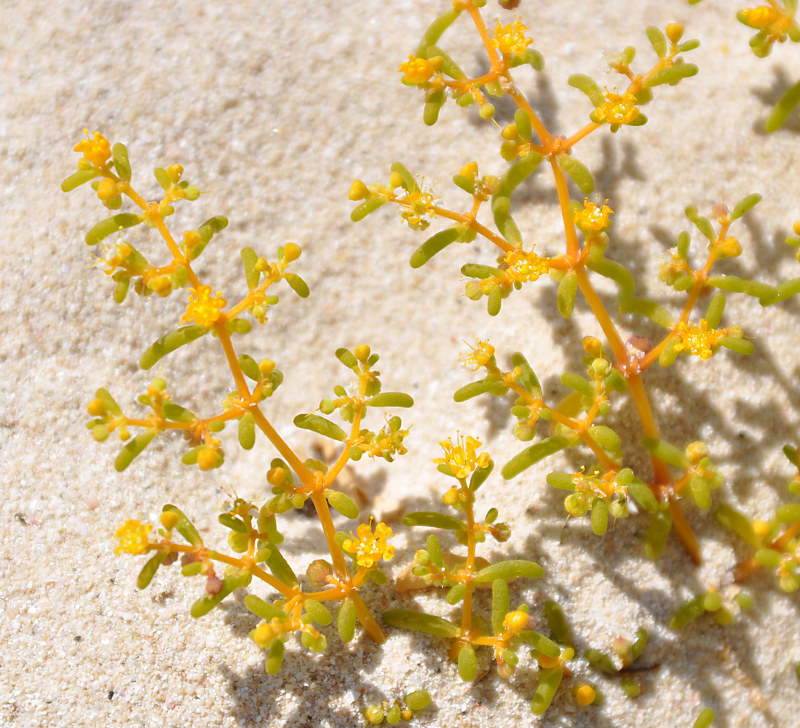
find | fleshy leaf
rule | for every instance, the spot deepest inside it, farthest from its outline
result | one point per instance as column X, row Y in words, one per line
column 321, row 426
column 500, row 604
column 484, row 386
column 111, row 225
column 421, row 622
column 149, row 569
column 671, row 74
column 247, row 431
column 263, row 609
column 434, row 245
column 549, row 680
column 579, row 173
column 533, row 454
column 132, row 448
column 234, row 579
column 467, row 663
column 390, row 399
column 346, row 620
column 342, row 503
column 508, row 570
column 167, row 344
column 666, row 452
column 780, row 112
column 431, row 519
column 184, row 526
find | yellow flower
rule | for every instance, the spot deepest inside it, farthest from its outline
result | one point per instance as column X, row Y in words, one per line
column 698, row 340
column 462, row 457
column 203, row 308
column 368, row 547
column 592, row 217
column 417, row 70
column 524, row 267
column 417, row 208
column 266, row 632
column 96, row 149
column 771, row 20
column 618, row 108
column 515, row 621
column 510, row 39
column 133, row 537
column 479, row 357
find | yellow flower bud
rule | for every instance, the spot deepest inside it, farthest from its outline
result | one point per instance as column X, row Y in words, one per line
column 358, row 191
column 168, row 519
column 395, row 180
column 585, row 695
column 276, row 476
column 107, row 189
column 675, row 32
column 509, row 132
column 592, row 346
column 470, row 169
column 266, row 366
column 761, row 528
column 174, row 172
column 291, row 251
column 96, row 407
column 207, row 458
column 731, row 247
column 516, row 620
column 362, row 352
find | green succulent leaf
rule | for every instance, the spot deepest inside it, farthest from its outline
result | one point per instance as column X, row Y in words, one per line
column 431, row 519
column 135, row 446
column 549, row 680
column 390, row 399
column 169, row 343
column 421, row 622
column 321, row 426
column 484, row 386
column 579, row 173
column 533, row 454
column 507, row 570
column 780, row 112
column 234, row 579
column 434, row 245
column 184, row 526
column 342, row 503
column 467, row 663
column 346, row 620
column 149, row 569
column 112, row 225
column 263, row 609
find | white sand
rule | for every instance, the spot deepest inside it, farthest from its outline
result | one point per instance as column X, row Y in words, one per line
column 273, row 108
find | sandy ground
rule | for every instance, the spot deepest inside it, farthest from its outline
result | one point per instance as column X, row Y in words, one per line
column 273, row 108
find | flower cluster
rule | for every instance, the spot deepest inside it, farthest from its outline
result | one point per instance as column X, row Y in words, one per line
column 133, row 537
column 698, row 340
column 369, row 547
column 524, row 266
column 618, row 108
column 417, row 70
column 95, row 149
column 417, row 208
column 510, row 39
column 462, row 457
column 479, row 356
column 592, row 217
column 203, row 308
column 769, row 19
